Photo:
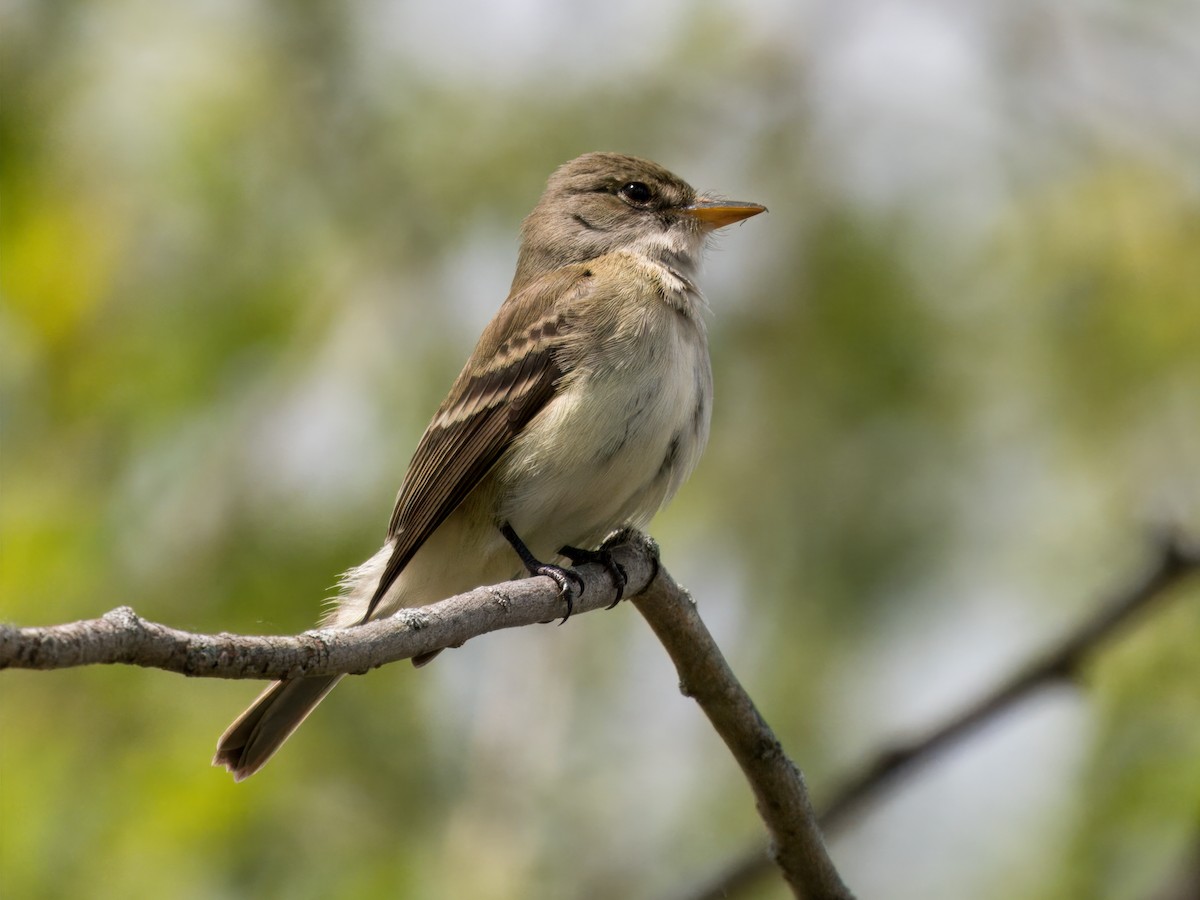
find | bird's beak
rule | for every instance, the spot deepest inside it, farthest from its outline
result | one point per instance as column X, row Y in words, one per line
column 713, row 214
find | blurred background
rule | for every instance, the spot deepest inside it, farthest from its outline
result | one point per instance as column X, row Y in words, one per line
column 246, row 247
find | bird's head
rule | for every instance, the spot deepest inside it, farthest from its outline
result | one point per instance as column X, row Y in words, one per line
column 603, row 202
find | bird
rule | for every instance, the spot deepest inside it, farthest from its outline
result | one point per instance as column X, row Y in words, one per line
column 585, row 405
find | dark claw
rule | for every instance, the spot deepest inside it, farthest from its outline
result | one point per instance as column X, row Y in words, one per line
column 616, row 571
column 562, row 577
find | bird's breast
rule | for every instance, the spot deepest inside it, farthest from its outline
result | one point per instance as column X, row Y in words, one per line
column 624, row 431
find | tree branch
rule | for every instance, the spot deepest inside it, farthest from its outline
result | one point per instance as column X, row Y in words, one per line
column 122, row 637
column 779, row 791
column 1064, row 660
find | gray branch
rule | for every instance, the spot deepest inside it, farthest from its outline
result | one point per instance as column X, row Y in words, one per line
column 779, row 790
column 122, row 637
column 1063, row 660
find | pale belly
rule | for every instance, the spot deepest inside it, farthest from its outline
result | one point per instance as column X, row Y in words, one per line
column 620, row 437
column 609, row 454
column 613, row 447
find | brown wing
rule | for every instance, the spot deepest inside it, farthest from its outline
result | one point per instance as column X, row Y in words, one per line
column 484, row 411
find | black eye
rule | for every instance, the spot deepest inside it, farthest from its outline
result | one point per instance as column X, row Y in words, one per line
column 636, row 193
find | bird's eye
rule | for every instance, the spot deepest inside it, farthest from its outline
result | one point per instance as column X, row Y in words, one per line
column 636, row 193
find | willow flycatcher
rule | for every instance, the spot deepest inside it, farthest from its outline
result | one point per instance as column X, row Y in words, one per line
column 583, row 408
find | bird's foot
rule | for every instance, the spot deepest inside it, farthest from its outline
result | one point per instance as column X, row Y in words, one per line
column 604, row 557
column 566, row 579
column 635, row 537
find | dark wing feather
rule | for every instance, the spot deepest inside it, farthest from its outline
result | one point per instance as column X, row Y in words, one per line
column 484, row 411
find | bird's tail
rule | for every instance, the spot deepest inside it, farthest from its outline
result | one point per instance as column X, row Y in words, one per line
column 257, row 733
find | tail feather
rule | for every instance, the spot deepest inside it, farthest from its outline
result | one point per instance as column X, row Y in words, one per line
column 257, row 733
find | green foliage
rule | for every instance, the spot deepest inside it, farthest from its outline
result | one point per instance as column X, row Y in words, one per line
column 1139, row 812
column 244, row 249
